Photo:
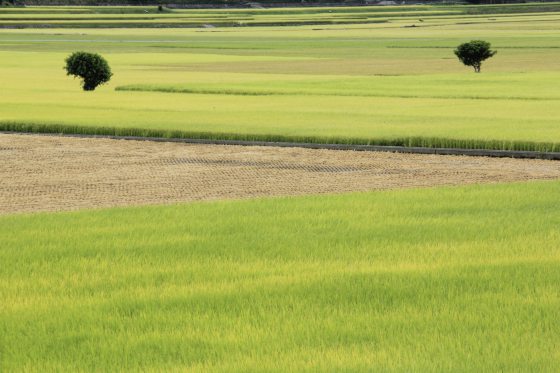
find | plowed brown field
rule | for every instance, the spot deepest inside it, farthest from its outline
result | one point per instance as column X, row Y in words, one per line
column 50, row 173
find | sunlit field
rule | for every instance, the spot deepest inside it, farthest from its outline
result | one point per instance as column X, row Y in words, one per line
column 448, row 279
column 441, row 279
column 367, row 83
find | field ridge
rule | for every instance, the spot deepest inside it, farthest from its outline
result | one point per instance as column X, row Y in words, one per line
column 409, row 142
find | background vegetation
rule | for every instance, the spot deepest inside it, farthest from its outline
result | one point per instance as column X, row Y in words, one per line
column 233, row 3
column 244, row 3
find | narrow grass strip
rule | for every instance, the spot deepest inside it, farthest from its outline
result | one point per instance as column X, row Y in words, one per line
column 413, row 141
column 259, row 92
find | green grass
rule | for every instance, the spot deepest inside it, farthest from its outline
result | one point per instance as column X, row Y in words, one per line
column 460, row 279
column 497, row 86
column 371, row 83
column 430, row 280
column 447, row 279
column 361, row 84
column 150, row 16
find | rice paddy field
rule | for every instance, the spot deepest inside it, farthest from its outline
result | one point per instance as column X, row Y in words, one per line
column 427, row 280
column 385, row 83
column 433, row 275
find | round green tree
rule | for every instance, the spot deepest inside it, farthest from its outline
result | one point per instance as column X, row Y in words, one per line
column 473, row 53
column 91, row 67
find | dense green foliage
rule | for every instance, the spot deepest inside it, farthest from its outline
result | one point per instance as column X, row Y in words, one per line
column 230, row 3
column 90, row 67
column 263, row 3
column 207, row 3
column 474, row 53
column 448, row 279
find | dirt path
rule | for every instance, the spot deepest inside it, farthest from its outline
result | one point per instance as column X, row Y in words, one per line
column 47, row 173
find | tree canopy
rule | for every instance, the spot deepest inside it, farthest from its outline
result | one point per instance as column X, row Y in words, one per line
column 474, row 52
column 91, row 67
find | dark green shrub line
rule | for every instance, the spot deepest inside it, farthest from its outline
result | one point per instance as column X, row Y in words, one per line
column 186, row 90
column 247, row 92
column 425, row 142
column 185, row 24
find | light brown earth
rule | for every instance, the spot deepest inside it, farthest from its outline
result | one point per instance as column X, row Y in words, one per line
column 50, row 173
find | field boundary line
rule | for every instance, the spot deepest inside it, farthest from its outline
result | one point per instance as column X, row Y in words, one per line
column 374, row 148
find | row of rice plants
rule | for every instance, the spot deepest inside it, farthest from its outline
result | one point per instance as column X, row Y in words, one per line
column 413, row 141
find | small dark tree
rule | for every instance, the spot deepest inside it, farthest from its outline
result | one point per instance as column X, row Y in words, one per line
column 473, row 53
column 91, row 67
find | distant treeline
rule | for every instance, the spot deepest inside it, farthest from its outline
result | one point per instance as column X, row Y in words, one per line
column 198, row 3
column 252, row 3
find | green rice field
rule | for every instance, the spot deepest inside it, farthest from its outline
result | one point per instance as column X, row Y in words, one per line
column 448, row 279
column 384, row 83
column 445, row 279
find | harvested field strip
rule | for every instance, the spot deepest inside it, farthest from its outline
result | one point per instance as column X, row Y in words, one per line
column 39, row 173
column 414, row 141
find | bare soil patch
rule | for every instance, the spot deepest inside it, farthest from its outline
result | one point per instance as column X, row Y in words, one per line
column 49, row 173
